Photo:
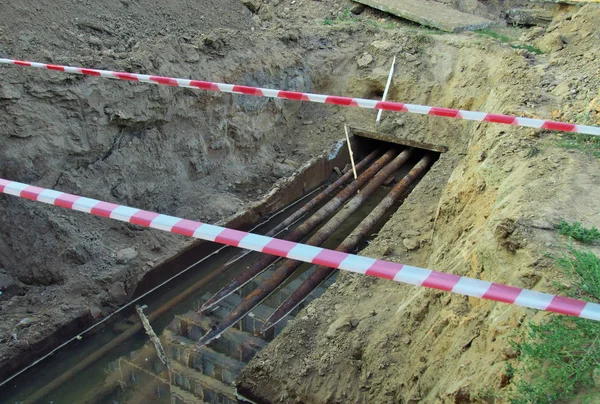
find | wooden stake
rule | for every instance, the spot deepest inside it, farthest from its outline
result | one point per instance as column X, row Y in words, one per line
column 350, row 151
column 385, row 92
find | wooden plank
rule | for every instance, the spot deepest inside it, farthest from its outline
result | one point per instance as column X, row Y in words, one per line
column 430, row 13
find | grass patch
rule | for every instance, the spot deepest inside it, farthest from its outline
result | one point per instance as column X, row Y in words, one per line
column 344, row 16
column 509, row 41
column 587, row 144
column 577, row 232
column 559, row 359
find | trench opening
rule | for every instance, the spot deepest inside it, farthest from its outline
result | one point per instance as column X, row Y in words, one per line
column 119, row 362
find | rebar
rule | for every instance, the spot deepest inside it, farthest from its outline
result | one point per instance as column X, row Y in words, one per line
column 288, row 267
column 302, row 231
column 350, row 243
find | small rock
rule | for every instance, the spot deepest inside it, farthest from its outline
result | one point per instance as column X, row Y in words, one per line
column 365, row 60
column 382, row 45
column 410, row 57
column 95, row 41
column 125, row 255
column 9, row 286
column 95, row 312
column 338, row 326
column 357, row 9
column 281, row 170
column 411, row 244
column 118, row 293
column 509, row 353
column 291, row 163
column 252, row 5
column 9, row 92
column 550, row 42
column 26, row 322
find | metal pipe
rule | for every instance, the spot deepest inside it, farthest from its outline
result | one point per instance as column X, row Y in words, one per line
column 321, row 197
column 289, row 266
column 302, row 231
column 350, row 243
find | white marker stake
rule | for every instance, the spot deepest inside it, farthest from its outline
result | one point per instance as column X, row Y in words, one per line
column 387, row 87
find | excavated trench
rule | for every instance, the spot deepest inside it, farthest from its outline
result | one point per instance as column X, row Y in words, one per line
column 115, row 362
column 209, row 156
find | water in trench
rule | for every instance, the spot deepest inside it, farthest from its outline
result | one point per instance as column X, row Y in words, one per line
column 129, row 371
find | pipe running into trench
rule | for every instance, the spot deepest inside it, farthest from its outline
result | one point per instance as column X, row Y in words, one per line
column 321, row 197
column 302, row 231
column 350, row 243
column 266, row 261
column 288, row 267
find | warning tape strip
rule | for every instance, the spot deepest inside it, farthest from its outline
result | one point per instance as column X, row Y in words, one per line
column 319, row 98
column 306, row 253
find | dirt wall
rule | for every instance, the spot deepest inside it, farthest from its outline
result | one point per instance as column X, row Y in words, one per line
column 486, row 210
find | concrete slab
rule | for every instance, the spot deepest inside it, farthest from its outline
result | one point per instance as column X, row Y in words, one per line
column 430, row 13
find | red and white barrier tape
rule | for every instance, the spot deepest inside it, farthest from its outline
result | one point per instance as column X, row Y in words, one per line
column 319, row 98
column 310, row 254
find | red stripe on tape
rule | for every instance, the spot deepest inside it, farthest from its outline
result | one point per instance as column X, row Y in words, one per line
column 565, row 127
column 103, row 209
column 186, row 227
column 32, row 192
column 168, row 81
column 279, row 247
column 3, row 184
column 565, row 305
column 502, row 293
column 230, row 237
column 391, row 106
column 336, row 100
column 143, row 218
column 55, row 67
column 447, row 112
column 66, row 200
column 330, row 258
column 384, row 269
column 439, row 280
column 499, row 118
column 248, row 90
column 22, row 63
column 90, row 72
column 293, row 95
column 125, row 76
column 203, row 85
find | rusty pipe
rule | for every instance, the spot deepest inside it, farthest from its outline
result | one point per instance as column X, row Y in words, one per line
column 288, row 267
column 321, row 197
column 350, row 243
column 302, row 231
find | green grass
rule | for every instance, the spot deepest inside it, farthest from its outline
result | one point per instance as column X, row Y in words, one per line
column 577, row 232
column 509, row 41
column 587, row 144
column 342, row 17
column 560, row 358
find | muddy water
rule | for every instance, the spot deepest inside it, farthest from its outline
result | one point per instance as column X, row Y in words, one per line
column 86, row 381
column 29, row 382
